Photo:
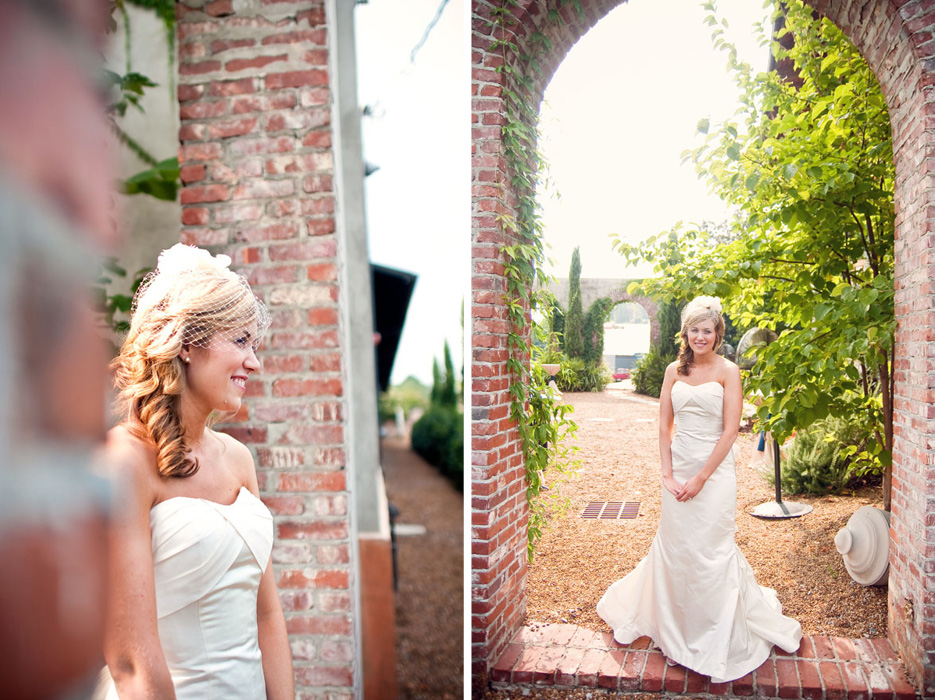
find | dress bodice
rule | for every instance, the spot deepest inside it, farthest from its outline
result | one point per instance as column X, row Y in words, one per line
column 699, row 410
column 196, row 541
column 207, row 560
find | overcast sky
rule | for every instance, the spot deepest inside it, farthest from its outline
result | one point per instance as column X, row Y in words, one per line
column 418, row 202
column 618, row 114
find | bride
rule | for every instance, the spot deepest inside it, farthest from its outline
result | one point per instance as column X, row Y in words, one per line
column 193, row 608
column 694, row 593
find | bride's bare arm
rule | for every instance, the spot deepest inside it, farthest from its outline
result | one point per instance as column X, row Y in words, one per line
column 274, row 641
column 666, row 430
column 733, row 406
column 131, row 638
column 273, row 637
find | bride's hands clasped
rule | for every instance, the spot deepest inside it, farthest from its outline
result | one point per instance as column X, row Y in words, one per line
column 690, row 489
column 671, row 485
column 683, row 492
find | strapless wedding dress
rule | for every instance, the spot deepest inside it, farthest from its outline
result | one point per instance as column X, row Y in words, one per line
column 695, row 594
column 208, row 559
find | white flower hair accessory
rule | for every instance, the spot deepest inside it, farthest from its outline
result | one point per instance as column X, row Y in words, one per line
column 702, row 302
column 194, row 296
column 185, row 258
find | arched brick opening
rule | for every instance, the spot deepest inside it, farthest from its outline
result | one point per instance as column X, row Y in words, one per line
column 895, row 38
column 620, row 296
column 613, row 289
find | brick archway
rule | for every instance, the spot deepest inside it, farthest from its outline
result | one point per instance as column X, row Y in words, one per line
column 894, row 36
column 613, row 289
column 621, row 296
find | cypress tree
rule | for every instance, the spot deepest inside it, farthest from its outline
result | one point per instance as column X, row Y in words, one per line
column 574, row 341
column 670, row 325
column 435, row 398
column 448, row 397
column 593, row 331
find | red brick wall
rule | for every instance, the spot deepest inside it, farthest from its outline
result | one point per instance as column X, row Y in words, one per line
column 896, row 38
column 498, row 507
column 257, row 166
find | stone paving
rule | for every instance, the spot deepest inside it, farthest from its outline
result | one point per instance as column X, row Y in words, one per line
column 569, row 656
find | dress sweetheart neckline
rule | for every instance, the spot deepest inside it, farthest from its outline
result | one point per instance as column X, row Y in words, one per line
column 205, row 500
column 712, row 381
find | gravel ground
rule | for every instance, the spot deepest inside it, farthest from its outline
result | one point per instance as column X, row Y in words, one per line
column 430, row 597
column 577, row 559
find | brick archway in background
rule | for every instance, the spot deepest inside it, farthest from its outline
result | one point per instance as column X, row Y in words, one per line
column 621, row 296
column 895, row 36
column 593, row 288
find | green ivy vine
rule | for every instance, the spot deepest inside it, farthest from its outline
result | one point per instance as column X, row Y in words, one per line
column 542, row 420
column 161, row 178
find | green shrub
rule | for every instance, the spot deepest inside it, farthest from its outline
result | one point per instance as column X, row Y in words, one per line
column 575, row 375
column 438, row 437
column 408, row 395
column 820, row 458
column 650, row 371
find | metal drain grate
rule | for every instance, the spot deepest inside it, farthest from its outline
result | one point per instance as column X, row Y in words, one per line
column 611, row 510
column 593, row 510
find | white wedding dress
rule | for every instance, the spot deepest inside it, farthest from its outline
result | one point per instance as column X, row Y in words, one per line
column 695, row 594
column 208, row 559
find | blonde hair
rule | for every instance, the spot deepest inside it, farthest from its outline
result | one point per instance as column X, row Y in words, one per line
column 698, row 310
column 170, row 313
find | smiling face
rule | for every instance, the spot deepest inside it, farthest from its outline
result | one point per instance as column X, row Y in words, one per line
column 703, row 332
column 216, row 376
column 702, row 337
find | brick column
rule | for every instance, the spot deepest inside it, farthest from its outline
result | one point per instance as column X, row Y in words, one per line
column 896, row 44
column 255, row 102
column 499, row 513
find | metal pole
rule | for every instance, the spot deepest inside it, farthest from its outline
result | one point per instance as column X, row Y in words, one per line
column 776, row 466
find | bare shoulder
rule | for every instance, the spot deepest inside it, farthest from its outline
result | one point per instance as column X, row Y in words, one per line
column 131, row 461
column 672, row 369
column 728, row 373
column 728, row 369
column 240, row 460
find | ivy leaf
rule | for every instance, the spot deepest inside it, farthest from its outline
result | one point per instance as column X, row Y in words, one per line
column 160, row 181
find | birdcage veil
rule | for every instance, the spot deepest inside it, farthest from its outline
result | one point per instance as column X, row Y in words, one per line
column 194, row 296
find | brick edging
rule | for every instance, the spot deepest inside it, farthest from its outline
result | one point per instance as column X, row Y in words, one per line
column 832, row 668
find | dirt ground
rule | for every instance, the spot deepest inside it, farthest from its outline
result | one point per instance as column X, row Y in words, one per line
column 430, row 594
column 578, row 559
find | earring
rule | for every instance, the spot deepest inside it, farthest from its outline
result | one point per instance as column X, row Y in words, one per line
column 186, row 360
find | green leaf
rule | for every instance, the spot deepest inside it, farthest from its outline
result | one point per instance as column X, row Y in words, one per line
column 160, row 181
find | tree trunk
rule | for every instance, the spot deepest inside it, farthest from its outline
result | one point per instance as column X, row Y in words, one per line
column 886, row 395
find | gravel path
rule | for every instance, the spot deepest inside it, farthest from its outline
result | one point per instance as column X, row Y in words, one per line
column 430, row 597
column 577, row 559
